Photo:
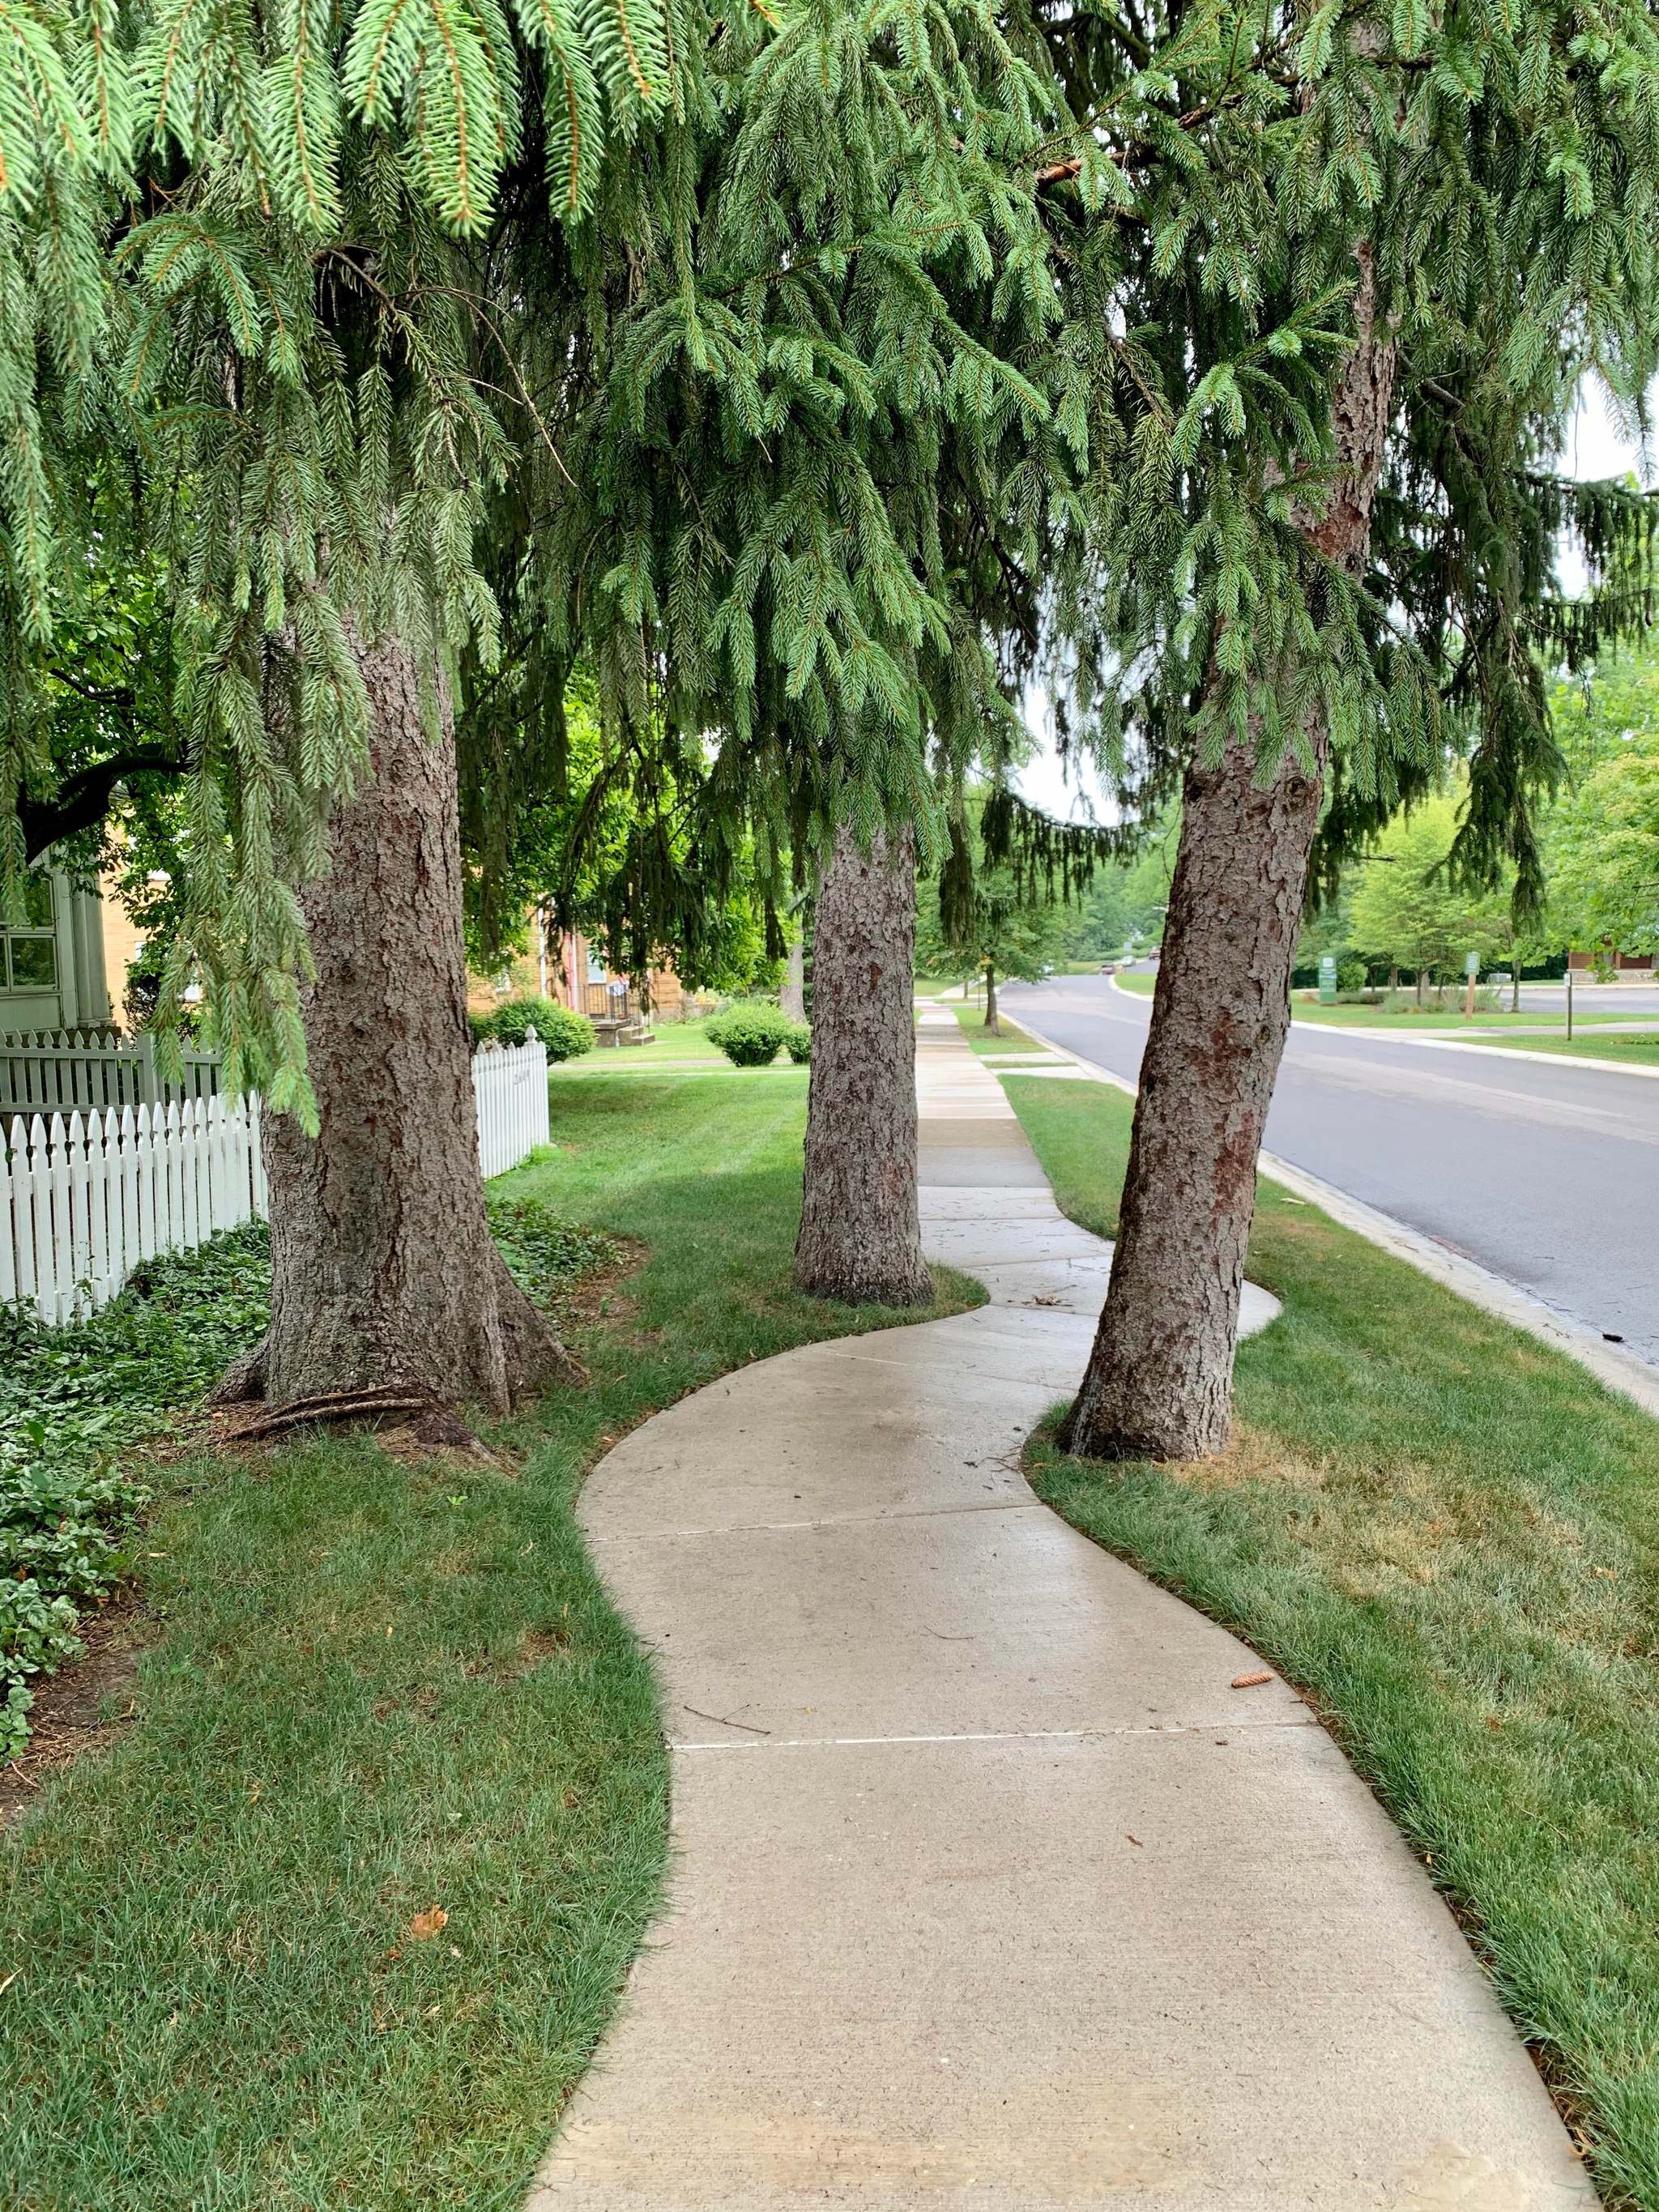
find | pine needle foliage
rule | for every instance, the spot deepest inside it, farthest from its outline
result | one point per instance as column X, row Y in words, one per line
column 710, row 309
column 250, row 251
column 1225, row 172
column 777, row 435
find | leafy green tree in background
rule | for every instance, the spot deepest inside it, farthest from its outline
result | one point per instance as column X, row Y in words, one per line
column 570, row 854
column 1601, row 844
column 997, row 907
column 1124, row 904
column 1008, row 934
column 1409, row 911
column 1327, row 932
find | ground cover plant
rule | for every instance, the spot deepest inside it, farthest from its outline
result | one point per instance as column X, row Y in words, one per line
column 1444, row 1532
column 72, row 1403
column 340, row 1915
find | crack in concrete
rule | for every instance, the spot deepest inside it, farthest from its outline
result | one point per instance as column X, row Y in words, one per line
column 999, row 1735
column 828, row 1521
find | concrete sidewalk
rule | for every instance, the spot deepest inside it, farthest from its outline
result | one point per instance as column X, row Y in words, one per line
column 990, row 1889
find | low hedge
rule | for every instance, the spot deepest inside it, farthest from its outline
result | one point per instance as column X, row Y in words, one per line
column 752, row 1033
column 566, row 1035
column 798, row 1044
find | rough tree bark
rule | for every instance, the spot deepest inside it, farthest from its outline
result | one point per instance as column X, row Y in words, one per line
column 383, row 1269
column 1159, row 1379
column 792, row 997
column 991, row 1021
column 860, row 1232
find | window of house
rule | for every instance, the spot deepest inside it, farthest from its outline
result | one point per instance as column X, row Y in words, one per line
column 28, row 947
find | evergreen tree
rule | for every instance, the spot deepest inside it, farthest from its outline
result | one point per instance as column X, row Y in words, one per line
column 343, row 323
column 1363, row 258
column 784, row 460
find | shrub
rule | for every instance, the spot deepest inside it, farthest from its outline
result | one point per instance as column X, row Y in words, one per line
column 751, row 1033
column 1351, row 973
column 798, row 1044
column 566, row 1035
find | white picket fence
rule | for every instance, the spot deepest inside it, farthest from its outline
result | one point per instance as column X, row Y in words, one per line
column 69, row 1070
column 511, row 1084
column 85, row 1201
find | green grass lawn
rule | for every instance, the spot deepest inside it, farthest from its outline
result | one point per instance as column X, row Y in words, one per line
column 675, row 1041
column 1639, row 1051
column 373, row 1691
column 1448, row 1536
column 1408, row 1019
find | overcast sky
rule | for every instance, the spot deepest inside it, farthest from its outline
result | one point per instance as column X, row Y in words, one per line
column 1596, row 447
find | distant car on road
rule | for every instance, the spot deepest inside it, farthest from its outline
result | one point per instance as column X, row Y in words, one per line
column 1109, row 967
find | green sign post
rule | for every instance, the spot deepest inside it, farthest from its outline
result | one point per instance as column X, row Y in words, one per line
column 1328, row 979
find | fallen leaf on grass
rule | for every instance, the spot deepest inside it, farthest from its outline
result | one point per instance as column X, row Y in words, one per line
column 425, row 1925
column 1250, row 1681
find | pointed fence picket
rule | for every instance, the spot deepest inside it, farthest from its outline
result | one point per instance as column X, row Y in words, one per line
column 85, row 1199
column 69, row 1070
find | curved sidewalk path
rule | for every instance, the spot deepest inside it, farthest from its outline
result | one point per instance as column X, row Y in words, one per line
column 990, row 1891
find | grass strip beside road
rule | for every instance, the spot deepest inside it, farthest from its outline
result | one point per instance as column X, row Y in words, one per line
column 1639, row 1051
column 1408, row 1022
column 991, row 1044
column 1445, row 1534
column 337, row 1917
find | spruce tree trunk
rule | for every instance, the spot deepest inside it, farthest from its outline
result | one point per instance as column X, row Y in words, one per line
column 1159, row 1380
column 991, row 1021
column 861, row 1230
column 383, row 1269
column 792, row 997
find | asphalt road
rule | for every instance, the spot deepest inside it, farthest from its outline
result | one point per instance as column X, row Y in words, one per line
column 1548, row 1175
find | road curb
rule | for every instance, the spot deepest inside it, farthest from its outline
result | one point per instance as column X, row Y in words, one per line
column 1619, row 1370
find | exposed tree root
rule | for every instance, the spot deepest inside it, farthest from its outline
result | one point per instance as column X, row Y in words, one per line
column 332, row 1406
